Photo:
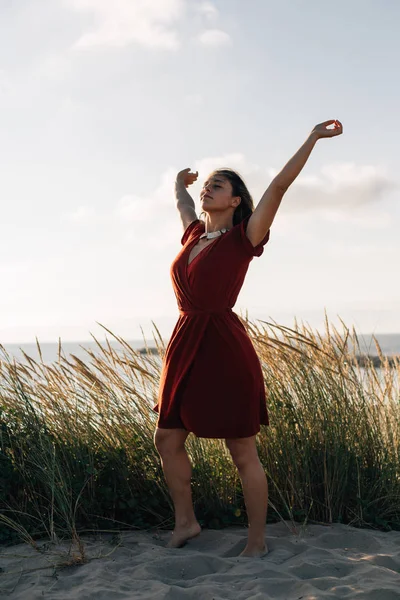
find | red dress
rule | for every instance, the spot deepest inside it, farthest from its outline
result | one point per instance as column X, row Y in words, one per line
column 211, row 380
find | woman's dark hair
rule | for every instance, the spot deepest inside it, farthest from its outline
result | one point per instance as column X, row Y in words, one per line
column 246, row 206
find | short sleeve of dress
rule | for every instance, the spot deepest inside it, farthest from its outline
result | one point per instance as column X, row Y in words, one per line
column 195, row 227
column 246, row 243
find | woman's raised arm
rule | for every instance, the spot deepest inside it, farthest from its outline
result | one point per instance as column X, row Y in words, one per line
column 184, row 200
column 265, row 211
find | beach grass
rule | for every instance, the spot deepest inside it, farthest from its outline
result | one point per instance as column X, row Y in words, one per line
column 77, row 452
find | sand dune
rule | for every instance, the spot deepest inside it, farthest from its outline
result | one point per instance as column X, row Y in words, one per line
column 319, row 562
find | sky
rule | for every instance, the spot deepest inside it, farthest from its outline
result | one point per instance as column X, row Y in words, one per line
column 102, row 103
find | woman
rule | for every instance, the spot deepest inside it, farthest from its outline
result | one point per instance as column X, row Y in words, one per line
column 211, row 380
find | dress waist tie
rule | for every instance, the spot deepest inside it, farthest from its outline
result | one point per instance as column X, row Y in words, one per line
column 191, row 312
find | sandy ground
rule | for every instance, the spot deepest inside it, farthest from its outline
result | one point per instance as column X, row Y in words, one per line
column 318, row 562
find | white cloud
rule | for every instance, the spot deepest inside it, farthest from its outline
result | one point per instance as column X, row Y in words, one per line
column 235, row 160
column 214, row 38
column 362, row 251
column 155, row 215
column 151, row 205
column 256, row 179
column 369, row 218
column 134, row 208
column 82, row 215
column 208, row 10
column 341, row 187
column 123, row 22
column 336, row 192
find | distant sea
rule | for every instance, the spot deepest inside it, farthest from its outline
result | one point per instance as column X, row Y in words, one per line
column 389, row 343
column 49, row 350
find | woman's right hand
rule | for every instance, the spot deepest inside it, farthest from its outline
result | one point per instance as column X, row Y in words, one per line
column 186, row 177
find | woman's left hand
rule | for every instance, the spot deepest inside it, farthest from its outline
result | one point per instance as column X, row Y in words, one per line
column 322, row 131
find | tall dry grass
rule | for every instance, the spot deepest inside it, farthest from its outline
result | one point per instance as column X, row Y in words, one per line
column 77, row 451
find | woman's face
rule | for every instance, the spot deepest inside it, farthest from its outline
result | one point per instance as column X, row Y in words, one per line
column 216, row 193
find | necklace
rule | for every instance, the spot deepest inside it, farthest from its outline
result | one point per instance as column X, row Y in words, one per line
column 213, row 234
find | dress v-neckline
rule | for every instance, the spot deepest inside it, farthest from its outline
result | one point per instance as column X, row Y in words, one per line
column 198, row 254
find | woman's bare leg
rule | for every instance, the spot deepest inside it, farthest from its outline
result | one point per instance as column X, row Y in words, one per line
column 170, row 444
column 255, row 491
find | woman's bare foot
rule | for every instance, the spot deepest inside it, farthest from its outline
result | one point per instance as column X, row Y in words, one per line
column 255, row 551
column 182, row 534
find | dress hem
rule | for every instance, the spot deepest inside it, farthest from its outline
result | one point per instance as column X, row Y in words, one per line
column 217, row 437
